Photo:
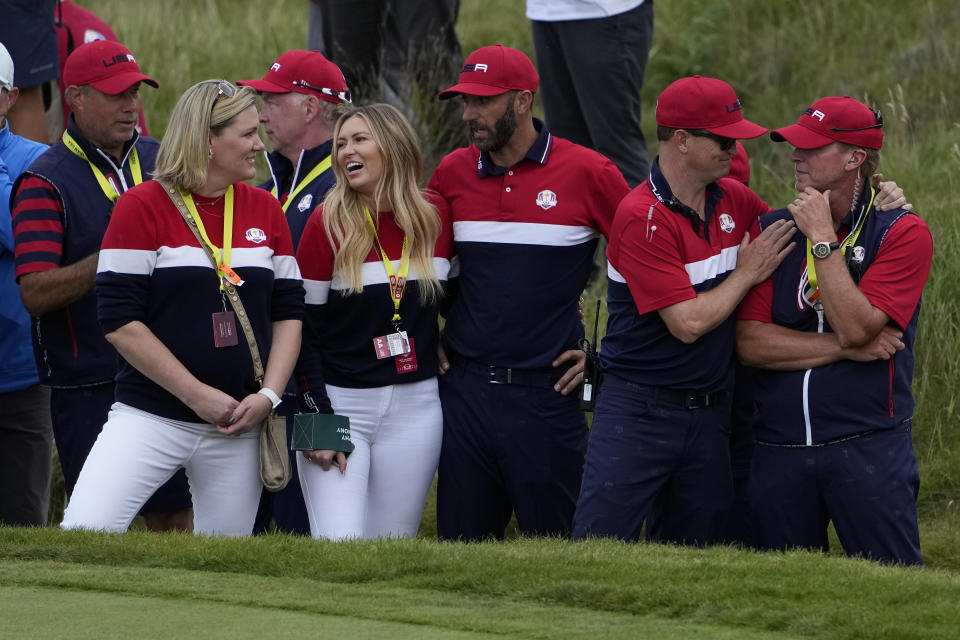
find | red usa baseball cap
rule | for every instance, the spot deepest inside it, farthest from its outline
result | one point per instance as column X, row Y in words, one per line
column 106, row 65
column 490, row 71
column 705, row 103
column 306, row 72
column 834, row 119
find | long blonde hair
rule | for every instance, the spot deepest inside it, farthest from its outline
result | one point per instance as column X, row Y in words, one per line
column 344, row 219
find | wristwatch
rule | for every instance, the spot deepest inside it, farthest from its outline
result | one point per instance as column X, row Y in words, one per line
column 271, row 396
column 823, row 249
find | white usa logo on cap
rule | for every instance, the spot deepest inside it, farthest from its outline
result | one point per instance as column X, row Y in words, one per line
column 546, row 199
column 727, row 223
column 256, row 235
column 305, row 202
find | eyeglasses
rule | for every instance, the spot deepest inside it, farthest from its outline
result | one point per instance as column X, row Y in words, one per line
column 725, row 144
column 223, row 89
column 878, row 125
column 343, row 96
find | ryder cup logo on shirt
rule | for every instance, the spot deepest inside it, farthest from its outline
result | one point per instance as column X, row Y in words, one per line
column 256, row 235
column 546, row 199
column 305, row 203
column 727, row 223
column 858, row 254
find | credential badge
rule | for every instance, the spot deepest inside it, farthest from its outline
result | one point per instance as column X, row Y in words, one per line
column 727, row 223
column 546, row 199
column 256, row 235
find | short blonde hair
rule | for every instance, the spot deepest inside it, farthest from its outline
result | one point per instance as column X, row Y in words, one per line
column 184, row 154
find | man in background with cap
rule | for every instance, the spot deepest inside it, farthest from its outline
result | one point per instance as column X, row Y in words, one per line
column 302, row 93
column 680, row 260
column 61, row 207
column 834, row 328
column 25, row 434
column 528, row 210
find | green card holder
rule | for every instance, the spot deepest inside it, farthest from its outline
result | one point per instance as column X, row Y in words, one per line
column 321, row 431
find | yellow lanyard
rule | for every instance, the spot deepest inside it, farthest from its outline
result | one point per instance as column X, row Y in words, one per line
column 223, row 260
column 109, row 190
column 317, row 170
column 398, row 281
column 848, row 242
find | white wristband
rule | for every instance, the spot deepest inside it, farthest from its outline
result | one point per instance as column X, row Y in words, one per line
column 274, row 398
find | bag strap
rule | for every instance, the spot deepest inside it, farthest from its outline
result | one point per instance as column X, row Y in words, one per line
column 231, row 290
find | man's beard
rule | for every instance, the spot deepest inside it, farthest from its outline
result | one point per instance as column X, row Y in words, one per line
column 502, row 131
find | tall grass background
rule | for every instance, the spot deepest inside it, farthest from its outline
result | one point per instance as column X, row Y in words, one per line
column 902, row 58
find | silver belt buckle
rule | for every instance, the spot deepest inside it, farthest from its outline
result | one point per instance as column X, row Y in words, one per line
column 493, row 376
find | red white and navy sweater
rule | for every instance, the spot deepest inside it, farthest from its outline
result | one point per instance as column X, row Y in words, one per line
column 153, row 269
column 340, row 327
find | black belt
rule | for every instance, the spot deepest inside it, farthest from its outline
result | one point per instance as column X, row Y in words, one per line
column 541, row 378
column 686, row 399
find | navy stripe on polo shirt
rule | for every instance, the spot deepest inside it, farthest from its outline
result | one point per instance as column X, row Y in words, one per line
column 37, row 226
column 656, row 259
column 340, row 326
column 152, row 269
column 524, row 240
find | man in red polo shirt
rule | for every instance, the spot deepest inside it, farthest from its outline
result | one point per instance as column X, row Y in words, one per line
column 528, row 210
column 680, row 261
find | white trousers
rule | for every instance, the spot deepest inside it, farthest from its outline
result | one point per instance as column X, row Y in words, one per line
column 138, row 451
column 396, row 431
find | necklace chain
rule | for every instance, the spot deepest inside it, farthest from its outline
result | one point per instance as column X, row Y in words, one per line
column 206, row 206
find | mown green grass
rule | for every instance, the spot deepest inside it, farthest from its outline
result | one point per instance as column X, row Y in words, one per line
column 780, row 56
column 523, row 588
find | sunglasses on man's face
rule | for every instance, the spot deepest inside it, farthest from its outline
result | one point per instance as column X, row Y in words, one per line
column 725, row 144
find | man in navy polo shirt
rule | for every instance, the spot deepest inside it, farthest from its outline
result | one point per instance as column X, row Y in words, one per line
column 61, row 207
column 528, row 210
column 834, row 327
column 680, row 260
column 302, row 92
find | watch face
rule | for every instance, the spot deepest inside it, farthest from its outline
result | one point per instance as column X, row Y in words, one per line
column 820, row 250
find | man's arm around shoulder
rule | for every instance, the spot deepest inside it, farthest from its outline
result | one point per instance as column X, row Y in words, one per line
column 689, row 320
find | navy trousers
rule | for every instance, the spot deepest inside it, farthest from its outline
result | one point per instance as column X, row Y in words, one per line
column 507, row 448
column 652, row 461
column 867, row 485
